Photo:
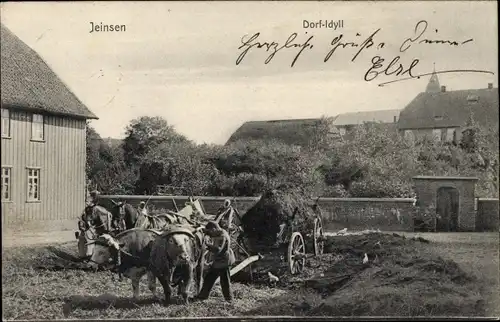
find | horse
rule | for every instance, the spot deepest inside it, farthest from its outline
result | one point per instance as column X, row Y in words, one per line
column 127, row 253
column 124, row 215
column 176, row 260
column 94, row 222
column 97, row 217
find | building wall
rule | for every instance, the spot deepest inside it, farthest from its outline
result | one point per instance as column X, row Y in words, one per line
column 427, row 194
column 61, row 160
column 421, row 133
column 487, row 215
column 339, row 213
column 347, row 131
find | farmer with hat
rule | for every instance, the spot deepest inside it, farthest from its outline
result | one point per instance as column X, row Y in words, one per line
column 94, row 197
column 223, row 259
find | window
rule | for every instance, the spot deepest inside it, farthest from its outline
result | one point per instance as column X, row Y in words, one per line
column 5, row 123
column 37, row 127
column 450, row 134
column 436, row 134
column 6, row 184
column 342, row 131
column 33, row 184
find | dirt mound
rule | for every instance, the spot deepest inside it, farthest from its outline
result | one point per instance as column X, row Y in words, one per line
column 261, row 223
column 60, row 257
column 402, row 277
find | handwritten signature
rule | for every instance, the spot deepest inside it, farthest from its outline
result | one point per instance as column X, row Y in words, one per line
column 419, row 31
column 274, row 47
column 367, row 43
column 379, row 66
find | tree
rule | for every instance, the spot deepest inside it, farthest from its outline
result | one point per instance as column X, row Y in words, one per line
column 176, row 164
column 323, row 135
column 93, row 143
column 145, row 134
column 105, row 166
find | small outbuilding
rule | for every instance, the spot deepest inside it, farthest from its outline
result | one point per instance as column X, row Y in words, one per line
column 453, row 198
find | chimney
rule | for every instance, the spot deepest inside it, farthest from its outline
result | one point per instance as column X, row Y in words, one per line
column 395, row 119
column 490, row 85
column 443, row 88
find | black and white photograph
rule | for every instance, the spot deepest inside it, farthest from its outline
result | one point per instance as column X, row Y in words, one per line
column 249, row 160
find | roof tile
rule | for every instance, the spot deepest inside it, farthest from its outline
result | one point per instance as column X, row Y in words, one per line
column 28, row 82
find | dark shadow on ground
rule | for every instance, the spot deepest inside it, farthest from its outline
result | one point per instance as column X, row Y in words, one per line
column 59, row 260
column 63, row 254
column 105, row 301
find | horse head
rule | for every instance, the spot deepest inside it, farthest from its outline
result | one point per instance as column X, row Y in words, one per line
column 99, row 218
column 120, row 211
column 180, row 248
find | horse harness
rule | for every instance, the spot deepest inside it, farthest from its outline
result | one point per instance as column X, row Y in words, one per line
column 192, row 233
column 108, row 221
column 117, row 258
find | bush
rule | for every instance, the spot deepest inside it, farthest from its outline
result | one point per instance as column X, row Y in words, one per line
column 374, row 161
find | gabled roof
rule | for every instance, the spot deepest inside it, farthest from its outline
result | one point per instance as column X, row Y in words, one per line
column 451, row 109
column 295, row 131
column 355, row 118
column 28, row 82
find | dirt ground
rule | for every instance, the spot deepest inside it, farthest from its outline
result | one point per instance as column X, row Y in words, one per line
column 14, row 239
column 476, row 253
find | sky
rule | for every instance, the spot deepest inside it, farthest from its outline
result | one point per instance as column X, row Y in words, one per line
column 178, row 59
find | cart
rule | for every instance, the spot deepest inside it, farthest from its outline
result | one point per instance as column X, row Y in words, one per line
column 291, row 245
column 294, row 242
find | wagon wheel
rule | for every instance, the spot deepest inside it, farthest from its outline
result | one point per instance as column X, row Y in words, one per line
column 319, row 241
column 296, row 254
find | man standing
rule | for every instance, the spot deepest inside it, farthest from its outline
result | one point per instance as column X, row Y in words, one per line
column 142, row 208
column 94, row 197
column 223, row 259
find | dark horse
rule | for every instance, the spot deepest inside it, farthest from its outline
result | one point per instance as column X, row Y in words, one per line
column 124, row 215
column 98, row 218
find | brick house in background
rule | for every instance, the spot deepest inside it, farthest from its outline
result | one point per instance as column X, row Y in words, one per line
column 442, row 114
column 43, row 142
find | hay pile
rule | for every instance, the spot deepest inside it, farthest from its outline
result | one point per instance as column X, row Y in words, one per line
column 403, row 277
column 261, row 223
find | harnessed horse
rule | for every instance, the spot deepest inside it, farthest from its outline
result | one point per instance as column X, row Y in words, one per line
column 98, row 218
column 124, row 215
column 177, row 259
column 127, row 254
column 94, row 222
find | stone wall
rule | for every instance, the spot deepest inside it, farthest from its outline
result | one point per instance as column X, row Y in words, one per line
column 388, row 214
column 391, row 214
column 487, row 215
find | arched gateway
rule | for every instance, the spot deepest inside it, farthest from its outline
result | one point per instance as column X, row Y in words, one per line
column 452, row 197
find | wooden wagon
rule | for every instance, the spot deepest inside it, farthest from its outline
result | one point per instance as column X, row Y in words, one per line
column 290, row 240
column 295, row 242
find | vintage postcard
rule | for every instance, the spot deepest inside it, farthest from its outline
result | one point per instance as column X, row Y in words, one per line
column 249, row 160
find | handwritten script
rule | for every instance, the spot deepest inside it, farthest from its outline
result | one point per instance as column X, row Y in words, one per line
column 378, row 65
